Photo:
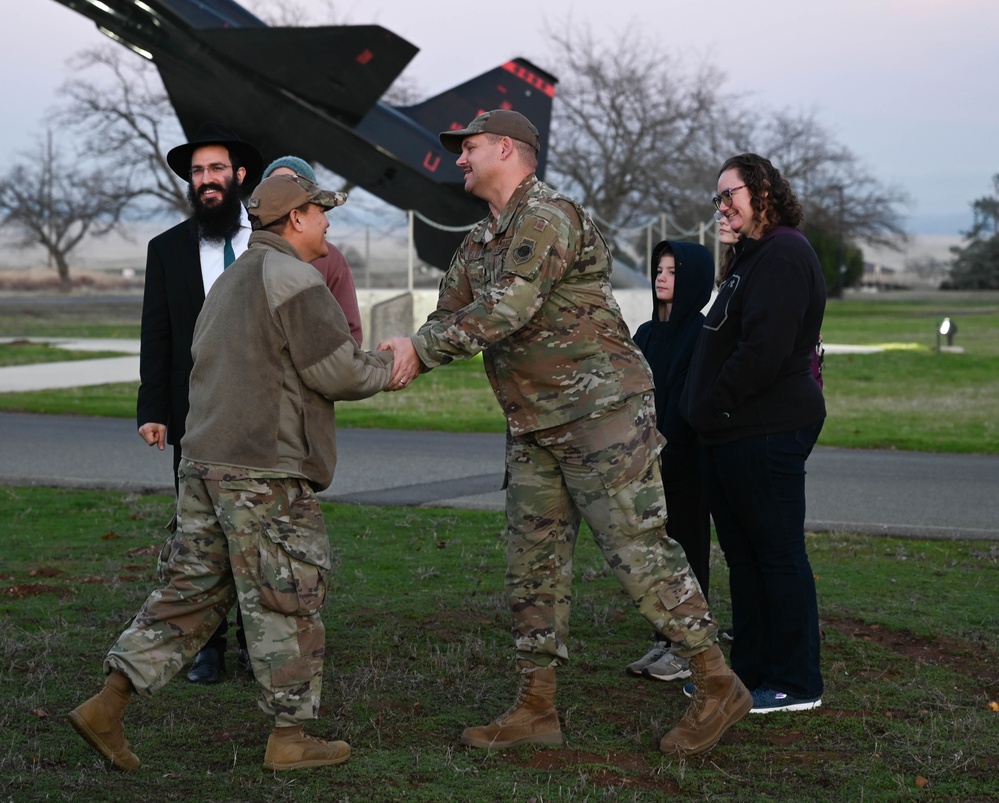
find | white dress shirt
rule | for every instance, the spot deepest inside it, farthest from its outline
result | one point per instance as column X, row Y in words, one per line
column 212, row 257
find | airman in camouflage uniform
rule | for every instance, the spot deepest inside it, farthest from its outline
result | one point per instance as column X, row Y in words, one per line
column 530, row 289
column 272, row 352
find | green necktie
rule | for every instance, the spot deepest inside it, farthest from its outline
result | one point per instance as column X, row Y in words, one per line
column 228, row 255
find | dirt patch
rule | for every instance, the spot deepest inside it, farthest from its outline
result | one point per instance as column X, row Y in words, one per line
column 45, row 571
column 960, row 656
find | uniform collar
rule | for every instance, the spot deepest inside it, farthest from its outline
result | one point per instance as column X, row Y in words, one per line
column 494, row 226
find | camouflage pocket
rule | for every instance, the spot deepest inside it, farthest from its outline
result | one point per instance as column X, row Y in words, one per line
column 163, row 561
column 293, row 551
column 635, row 497
column 289, row 585
column 166, row 551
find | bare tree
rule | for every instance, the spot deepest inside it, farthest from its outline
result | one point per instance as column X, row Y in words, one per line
column 637, row 134
column 55, row 202
column 628, row 129
column 929, row 268
column 837, row 193
column 121, row 112
column 292, row 14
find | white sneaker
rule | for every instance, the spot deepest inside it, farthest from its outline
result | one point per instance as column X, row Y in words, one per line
column 670, row 667
column 659, row 649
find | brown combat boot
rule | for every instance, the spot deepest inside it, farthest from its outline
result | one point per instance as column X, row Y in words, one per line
column 100, row 722
column 532, row 719
column 720, row 700
column 291, row 749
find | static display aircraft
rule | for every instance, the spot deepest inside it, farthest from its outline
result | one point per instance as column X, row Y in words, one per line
column 315, row 93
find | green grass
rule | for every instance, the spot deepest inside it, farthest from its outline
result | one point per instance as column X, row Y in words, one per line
column 453, row 398
column 418, row 647
column 908, row 397
column 26, row 352
column 115, row 400
column 916, row 400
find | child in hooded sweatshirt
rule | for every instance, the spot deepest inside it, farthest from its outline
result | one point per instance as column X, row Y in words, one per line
column 682, row 281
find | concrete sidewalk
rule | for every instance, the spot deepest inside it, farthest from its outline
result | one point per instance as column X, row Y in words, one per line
column 73, row 373
column 79, row 373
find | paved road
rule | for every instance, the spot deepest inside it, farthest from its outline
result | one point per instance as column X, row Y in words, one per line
column 876, row 492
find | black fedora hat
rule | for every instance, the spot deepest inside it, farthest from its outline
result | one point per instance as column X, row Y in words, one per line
column 179, row 158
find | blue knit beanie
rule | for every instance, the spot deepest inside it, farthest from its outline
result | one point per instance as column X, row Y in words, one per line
column 299, row 166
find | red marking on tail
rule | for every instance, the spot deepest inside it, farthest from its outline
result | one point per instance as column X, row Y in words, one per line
column 529, row 77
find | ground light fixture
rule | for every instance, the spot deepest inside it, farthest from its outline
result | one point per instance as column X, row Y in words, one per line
column 947, row 329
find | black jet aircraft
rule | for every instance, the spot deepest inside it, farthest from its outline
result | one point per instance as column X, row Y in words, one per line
column 315, row 92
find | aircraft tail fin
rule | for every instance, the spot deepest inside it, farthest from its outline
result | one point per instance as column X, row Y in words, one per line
column 518, row 84
column 344, row 67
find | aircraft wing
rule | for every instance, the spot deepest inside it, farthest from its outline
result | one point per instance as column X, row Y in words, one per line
column 346, row 68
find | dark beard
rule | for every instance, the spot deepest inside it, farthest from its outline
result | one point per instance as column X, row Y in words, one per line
column 222, row 220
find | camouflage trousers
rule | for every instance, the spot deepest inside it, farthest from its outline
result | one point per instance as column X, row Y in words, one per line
column 602, row 469
column 261, row 542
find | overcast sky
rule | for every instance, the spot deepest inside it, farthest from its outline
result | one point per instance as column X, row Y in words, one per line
column 905, row 84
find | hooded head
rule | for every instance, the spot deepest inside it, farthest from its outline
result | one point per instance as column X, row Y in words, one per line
column 692, row 283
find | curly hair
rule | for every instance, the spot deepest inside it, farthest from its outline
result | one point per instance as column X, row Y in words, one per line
column 771, row 196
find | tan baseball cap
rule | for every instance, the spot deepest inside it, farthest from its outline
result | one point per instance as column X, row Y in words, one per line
column 276, row 196
column 505, row 122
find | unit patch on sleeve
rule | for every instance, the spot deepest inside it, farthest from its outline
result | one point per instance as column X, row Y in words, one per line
column 523, row 252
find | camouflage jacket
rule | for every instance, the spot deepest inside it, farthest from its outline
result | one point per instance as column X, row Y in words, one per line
column 531, row 290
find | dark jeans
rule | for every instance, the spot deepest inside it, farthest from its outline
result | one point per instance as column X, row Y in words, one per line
column 756, row 488
column 689, row 524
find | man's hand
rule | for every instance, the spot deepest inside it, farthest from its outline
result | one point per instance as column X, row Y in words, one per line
column 406, row 366
column 154, row 435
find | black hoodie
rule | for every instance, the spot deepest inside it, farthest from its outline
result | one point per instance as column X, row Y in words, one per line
column 668, row 346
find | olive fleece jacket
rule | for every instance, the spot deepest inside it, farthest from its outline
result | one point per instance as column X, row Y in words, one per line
column 272, row 352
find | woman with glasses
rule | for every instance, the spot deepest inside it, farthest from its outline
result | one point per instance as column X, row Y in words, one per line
column 758, row 411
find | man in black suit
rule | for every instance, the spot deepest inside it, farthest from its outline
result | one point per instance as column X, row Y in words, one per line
column 181, row 265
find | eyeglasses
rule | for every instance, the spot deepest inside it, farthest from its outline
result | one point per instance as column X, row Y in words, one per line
column 212, row 169
column 725, row 197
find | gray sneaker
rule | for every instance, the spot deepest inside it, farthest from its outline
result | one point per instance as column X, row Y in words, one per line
column 659, row 649
column 669, row 667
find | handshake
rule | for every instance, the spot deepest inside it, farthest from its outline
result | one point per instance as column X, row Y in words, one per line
column 406, row 365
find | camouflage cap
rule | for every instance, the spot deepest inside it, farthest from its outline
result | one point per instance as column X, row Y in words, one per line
column 276, row 196
column 504, row 122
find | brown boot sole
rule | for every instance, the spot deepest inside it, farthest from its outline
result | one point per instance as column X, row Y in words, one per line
column 541, row 738
column 81, row 727
column 309, row 763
